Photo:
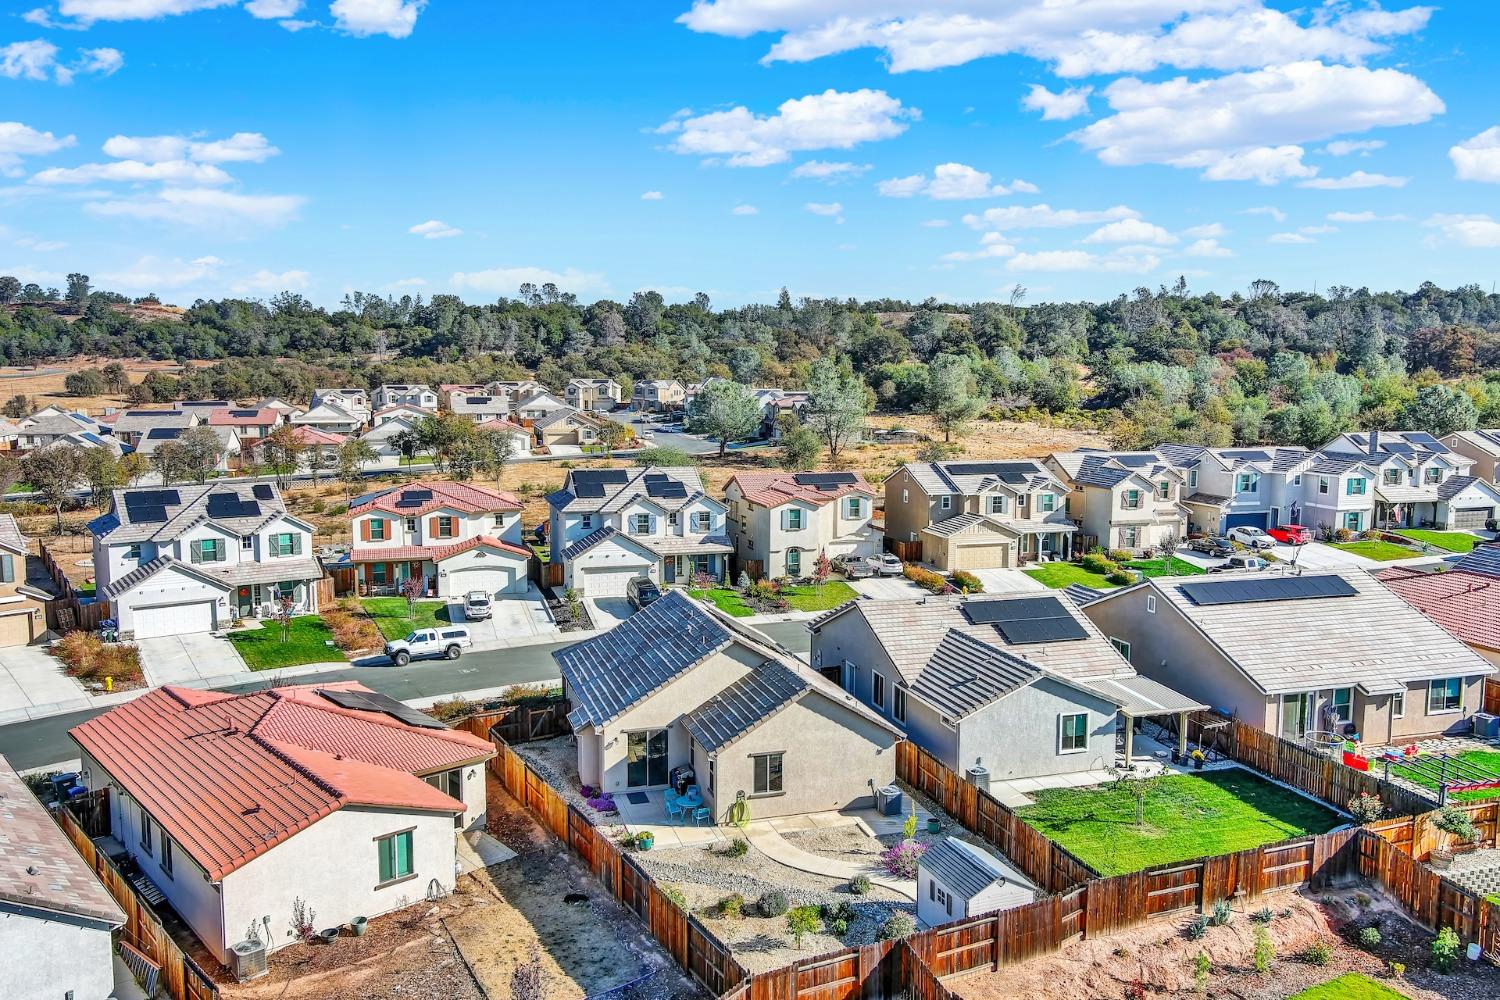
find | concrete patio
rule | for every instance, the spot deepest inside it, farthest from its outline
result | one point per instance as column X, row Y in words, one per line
column 1149, row 758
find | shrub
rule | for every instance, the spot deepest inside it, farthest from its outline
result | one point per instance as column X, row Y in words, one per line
column 1265, row 951
column 1445, row 950
column 967, row 582
column 1369, row 938
column 803, row 920
column 1197, row 927
column 1363, row 899
column 1342, row 535
column 1222, row 913
column 772, row 904
column 839, row 928
column 838, row 911
column 738, row 848
column 860, row 885
column 88, row 657
column 1121, row 555
column 1121, row 578
column 1451, row 819
column 925, row 578
column 1398, row 969
column 448, row 709
column 1201, row 967
column 899, row 925
column 1317, row 953
column 1262, row 915
column 1366, row 808
column 1095, row 563
column 675, row 895
column 732, row 906
column 901, row 861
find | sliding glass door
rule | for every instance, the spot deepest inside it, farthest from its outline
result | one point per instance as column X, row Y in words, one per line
column 646, row 758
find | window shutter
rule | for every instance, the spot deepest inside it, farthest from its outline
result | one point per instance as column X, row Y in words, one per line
column 364, row 530
column 296, row 543
column 785, row 519
column 651, row 524
column 432, row 526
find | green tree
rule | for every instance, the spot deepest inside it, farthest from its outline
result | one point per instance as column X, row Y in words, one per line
column 101, row 472
column 496, row 447
column 115, row 378
column 800, row 446
column 353, row 456
column 281, row 451
column 951, row 396
column 664, row 456
column 407, row 443
column 202, row 452
column 10, row 289
column 1439, row 410
column 723, row 411
column 54, row 473
column 837, row 403
column 78, row 291
column 17, row 406
column 87, row 382
column 802, row 921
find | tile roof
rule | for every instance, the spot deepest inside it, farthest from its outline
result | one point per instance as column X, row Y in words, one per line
column 231, row 776
column 744, row 705
column 1481, row 559
column 429, row 495
column 964, row 674
column 312, row 436
column 772, row 489
column 162, row 514
column 501, row 425
column 1081, row 594
column 966, row 869
column 950, row 526
column 11, row 537
column 1465, row 604
column 243, row 418
column 436, row 553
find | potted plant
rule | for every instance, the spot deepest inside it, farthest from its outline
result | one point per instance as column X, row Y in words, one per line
column 359, row 925
column 1458, row 826
column 934, row 825
column 1198, row 759
column 645, row 840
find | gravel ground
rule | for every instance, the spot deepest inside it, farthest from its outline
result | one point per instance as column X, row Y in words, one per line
column 556, row 760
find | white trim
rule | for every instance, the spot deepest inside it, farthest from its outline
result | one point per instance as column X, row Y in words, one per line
column 1061, row 728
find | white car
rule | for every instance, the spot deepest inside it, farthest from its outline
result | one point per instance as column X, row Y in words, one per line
column 478, row 605
column 448, row 642
column 887, row 564
column 1251, row 538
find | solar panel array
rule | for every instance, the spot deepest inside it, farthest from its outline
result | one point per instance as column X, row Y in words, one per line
column 1027, row 619
column 150, row 506
column 1010, row 472
column 371, row 701
column 263, row 491
column 231, row 505
column 590, row 483
column 825, row 480
column 1262, row 589
column 665, row 488
column 244, row 413
column 164, row 433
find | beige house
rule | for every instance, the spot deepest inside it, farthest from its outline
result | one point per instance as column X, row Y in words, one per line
column 1123, row 500
column 23, row 615
column 1482, row 447
column 681, row 684
column 979, row 515
column 1299, row 654
column 569, row 428
column 593, row 393
column 781, row 521
column 659, row 395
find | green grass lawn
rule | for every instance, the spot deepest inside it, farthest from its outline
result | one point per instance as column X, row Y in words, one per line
column 1350, row 986
column 1058, row 575
column 1160, row 567
column 1452, row 541
column 1375, row 549
column 390, row 615
column 1187, row 816
column 307, row 642
column 802, row 598
column 1484, row 760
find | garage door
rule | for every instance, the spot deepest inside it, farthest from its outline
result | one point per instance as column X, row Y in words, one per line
column 1245, row 521
column 979, row 555
column 15, row 630
column 494, row 580
column 174, row 619
column 1471, row 518
column 608, row 582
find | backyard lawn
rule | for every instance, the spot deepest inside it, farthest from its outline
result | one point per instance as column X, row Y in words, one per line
column 1160, row 567
column 1058, row 575
column 1350, row 986
column 390, row 615
column 1451, row 541
column 1186, row 816
column 1478, row 760
column 802, row 598
column 307, row 642
column 1372, row 548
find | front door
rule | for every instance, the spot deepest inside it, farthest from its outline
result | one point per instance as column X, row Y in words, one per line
column 669, row 569
column 646, row 758
column 1296, row 710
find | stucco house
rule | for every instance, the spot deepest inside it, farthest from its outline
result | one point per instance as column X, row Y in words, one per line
column 235, row 805
column 57, row 922
column 52, row 424
column 1128, row 500
column 539, row 405
column 1482, row 447
column 1020, row 686
column 193, row 558
column 1293, row 654
column 399, row 411
column 658, row 395
column 956, row 880
column 423, row 397
column 681, row 683
column 230, row 445
column 520, row 438
column 331, row 417
column 568, row 428
column 1464, row 601
column 23, row 612
column 322, row 447
column 379, row 436
column 608, row 525
column 248, row 424
column 131, row 427
column 480, row 406
column 352, row 401
column 979, row 515
column 593, row 394
column 456, row 537
column 781, row 521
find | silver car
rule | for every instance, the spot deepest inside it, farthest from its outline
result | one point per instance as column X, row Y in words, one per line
column 887, row 564
column 478, row 605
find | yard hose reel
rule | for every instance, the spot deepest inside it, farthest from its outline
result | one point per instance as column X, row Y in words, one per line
column 739, row 810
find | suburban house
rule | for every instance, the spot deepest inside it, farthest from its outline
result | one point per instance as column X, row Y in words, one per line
column 1293, row 654
column 1464, row 600
column 1418, row 481
column 281, row 406
column 979, row 515
column 479, row 406
column 1128, row 500
column 232, row 806
column 1482, row 447
column 131, row 427
column 456, row 537
column 1227, row 488
column 352, row 401
column 608, row 525
column 10, row 435
column 568, row 428
column 399, row 411
column 229, row 444
column 781, row 521
column 23, row 612
column 332, row 418
column 57, row 922
column 956, row 880
column 593, row 393
column 998, row 688
column 249, row 425
column 322, row 447
column 52, row 424
column 658, row 395
column 194, row 558
column 379, row 436
column 539, row 405
column 680, row 683
column 521, row 439
column 420, row 396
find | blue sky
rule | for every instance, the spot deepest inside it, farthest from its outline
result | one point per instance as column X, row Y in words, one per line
column 910, row 148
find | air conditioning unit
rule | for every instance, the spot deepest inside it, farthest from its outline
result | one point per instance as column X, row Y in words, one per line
column 978, row 776
column 247, row 960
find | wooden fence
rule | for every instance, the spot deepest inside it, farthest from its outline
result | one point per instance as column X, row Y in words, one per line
column 1492, row 696
column 1419, row 836
column 910, row 552
column 181, row 977
column 69, row 612
column 520, row 723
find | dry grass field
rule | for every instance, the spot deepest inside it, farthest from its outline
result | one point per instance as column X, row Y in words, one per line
column 44, row 383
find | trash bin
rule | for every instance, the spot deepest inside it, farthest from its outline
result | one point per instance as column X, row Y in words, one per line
column 888, row 800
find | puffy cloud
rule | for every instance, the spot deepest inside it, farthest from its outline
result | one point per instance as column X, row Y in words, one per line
column 134, row 10
column 505, row 280
column 1289, row 239
column 1082, row 260
column 652, row 196
column 38, row 60
column 134, row 172
column 1475, row 230
column 151, row 273
column 204, row 208
column 990, row 245
column 831, row 209
column 825, row 171
column 744, row 210
column 271, row 282
column 1071, row 103
column 1358, row 179
column 830, row 120
column 1478, row 159
column 17, row 140
column 1346, row 147
column 242, row 147
column 432, row 229
column 1046, row 217
column 363, row 18
column 1211, row 230
column 950, row 182
column 1267, row 210
column 271, row 10
column 1207, row 248
column 1264, row 165
column 1131, row 231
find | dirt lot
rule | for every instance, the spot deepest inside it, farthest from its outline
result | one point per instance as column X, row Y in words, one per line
column 44, row 384
column 1157, row 959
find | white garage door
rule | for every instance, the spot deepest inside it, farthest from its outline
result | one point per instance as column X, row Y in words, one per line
column 174, row 619
column 608, row 582
column 494, row 580
column 1471, row 518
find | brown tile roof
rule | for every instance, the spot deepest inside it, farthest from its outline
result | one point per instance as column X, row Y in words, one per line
column 311, row 435
column 1465, row 604
column 437, row 553
column 772, row 489
column 429, row 495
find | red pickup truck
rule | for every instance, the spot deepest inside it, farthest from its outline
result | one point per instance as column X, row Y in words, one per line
column 1290, row 534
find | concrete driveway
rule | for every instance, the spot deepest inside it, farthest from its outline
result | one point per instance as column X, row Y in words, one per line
column 886, row 588
column 1007, row 581
column 1316, row 555
column 516, row 620
column 607, row 612
column 188, row 659
column 32, row 682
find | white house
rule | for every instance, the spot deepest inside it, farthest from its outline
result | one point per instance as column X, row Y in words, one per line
column 480, row 406
column 540, row 405
column 456, row 537
column 423, row 397
column 379, row 436
column 781, row 521
column 956, row 880
column 193, row 558
column 399, row 411
column 234, row 806
column 520, row 438
column 354, row 401
column 56, row 920
column 332, row 418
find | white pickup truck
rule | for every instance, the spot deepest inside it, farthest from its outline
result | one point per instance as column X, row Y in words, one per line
column 448, row 642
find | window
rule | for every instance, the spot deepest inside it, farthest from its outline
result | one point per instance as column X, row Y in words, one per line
column 852, row 507
column 768, row 776
column 1127, row 537
column 1353, row 520
column 1323, row 485
column 997, row 505
column 133, row 553
column 1433, row 475
column 447, row 526
column 905, row 496
column 946, row 503
column 701, row 522
column 499, row 521
column 378, row 574
column 206, row 550
column 148, row 827
column 1047, row 502
column 377, row 529
column 713, row 768
column 793, row 562
column 1246, row 482
column 1342, row 704
column 395, row 857
column 1445, row 696
column 1164, row 490
column 287, row 543
column 1297, row 479
column 247, row 543
column 1355, row 486
column 1075, row 733
column 1193, row 478
column 586, row 522
column 1150, row 604
column 791, row 519
column 877, row 689
column 411, row 526
column 640, row 524
column 1131, row 499
column 672, row 519
column 1121, row 645
column 1392, row 477
column 939, row 896
column 165, row 861
column 898, row 704
column 1398, row 705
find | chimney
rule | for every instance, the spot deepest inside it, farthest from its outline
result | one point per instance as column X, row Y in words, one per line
column 1374, row 442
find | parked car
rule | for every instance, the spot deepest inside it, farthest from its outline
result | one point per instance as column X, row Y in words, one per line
column 1251, row 538
column 854, row 567
column 1240, row 560
column 478, row 605
column 449, row 643
column 1291, row 534
column 641, row 592
column 887, row 564
column 1214, row 545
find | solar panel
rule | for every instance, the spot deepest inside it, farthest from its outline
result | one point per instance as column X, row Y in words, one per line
column 371, row 701
column 1135, row 461
column 153, row 498
column 1011, row 472
column 1027, row 619
column 825, row 480
column 416, row 494
column 164, row 433
column 230, row 505
column 1028, row 630
column 263, row 491
column 1253, row 591
column 588, row 491
column 664, row 488
column 245, row 413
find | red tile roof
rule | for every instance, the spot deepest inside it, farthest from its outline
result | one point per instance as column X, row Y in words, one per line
column 465, row 497
column 231, row 776
column 233, row 418
column 1466, row 605
column 772, row 489
column 311, row 435
column 437, row 553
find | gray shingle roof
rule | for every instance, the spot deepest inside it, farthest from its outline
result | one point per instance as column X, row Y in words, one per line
column 140, row 421
column 140, row 522
column 1481, row 559
column 1454, row 485
column 11, row 537
column 743, row 705
column 953, row 525
column 966, row 869
column 614, row 496
column 970, row 478
column 965, row 674
column 1181, row 455
column 147, row 570
column 1081, row 594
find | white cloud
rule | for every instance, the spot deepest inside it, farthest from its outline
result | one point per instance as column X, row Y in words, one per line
column 241, row 147
column 271, row 10
column 1351, row 182
column 150, row 273
column 935, row 224
column 1211, row 230
column 1345, row 147
column 1207, row 248
column 744, row 210
column 1365, row 216
column 991, row 245
column 1321, row 230
column 38, row 60
column 41, row 246
column 652, row 196
column 1264, row 165
column 1131, row 231
column 409, row 283
column 204, row 208
column 1268, row 210
column 1478, row 159
column 133, row 10
column 17, row 140
column 1289, row 239
column 432, row 229
column 950, row 182
column 1082, row 260
column 831, row 209
column 1071, row 103
column 1476, row 230
column 363, row 18
column 506, row 280
column 830, row 120
column 825, row 171
column 270, row 282
column 134, row 172
column 1046, row 217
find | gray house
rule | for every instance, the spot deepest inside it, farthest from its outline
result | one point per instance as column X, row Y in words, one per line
column 1017, row 687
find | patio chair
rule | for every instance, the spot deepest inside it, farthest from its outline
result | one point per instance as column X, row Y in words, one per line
column 702, row 813
column 674, row 807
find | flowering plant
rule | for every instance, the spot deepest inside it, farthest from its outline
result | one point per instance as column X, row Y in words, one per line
column 901, row 861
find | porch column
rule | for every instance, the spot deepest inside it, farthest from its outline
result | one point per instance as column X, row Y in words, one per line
column 1182, row 724
column 1129, row 739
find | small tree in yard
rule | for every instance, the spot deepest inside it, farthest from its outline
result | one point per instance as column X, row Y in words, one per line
column 55, row 473
column 822, row 570
column 412, row 588
column 284, row 608
column 529, row 981
column 802, row 920
column 1139, row 789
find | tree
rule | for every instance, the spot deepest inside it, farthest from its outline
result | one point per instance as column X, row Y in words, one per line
column 1440, row 410
column 281, row 451
column 407, row 443
column 10, row 289
column 951, row 396
column 115, row 378
column 496, row 447
column 723, row 411
column 171, row 461
column 78, row 291
column 10, row 472
column 800, row 446
column 613, row 435
column 132, row 467
column 822, row 570
column 413, row 588
column 802, row 920
column 54, row 473
column 353, row 456
column 17, row 406
column 836, row 404
column 101, row 471
column 443, row 436
column 202, row 452
column 87, row 382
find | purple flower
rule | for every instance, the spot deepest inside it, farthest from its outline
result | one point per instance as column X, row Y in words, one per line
column 901, row 861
